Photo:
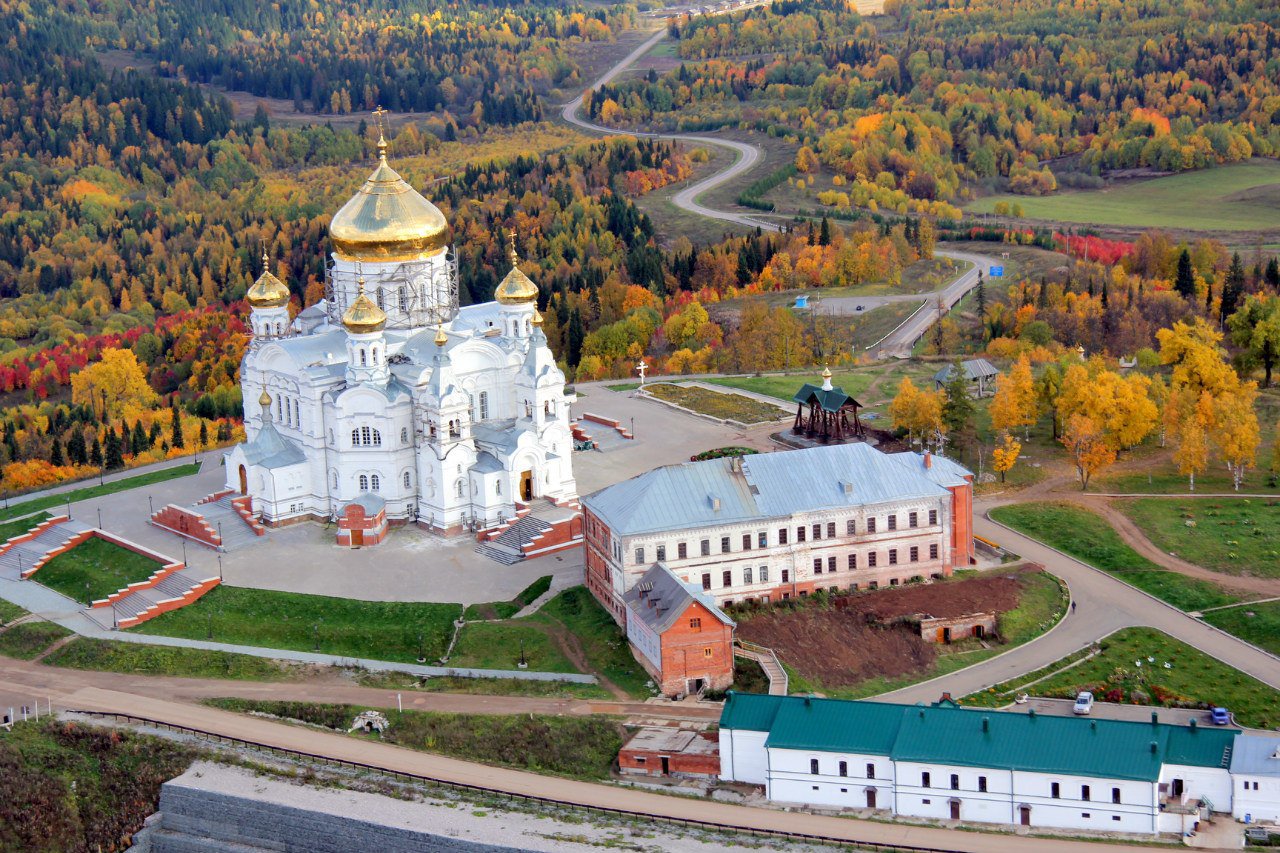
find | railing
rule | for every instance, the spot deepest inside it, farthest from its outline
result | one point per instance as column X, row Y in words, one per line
column 716, row 826
column 756, row 651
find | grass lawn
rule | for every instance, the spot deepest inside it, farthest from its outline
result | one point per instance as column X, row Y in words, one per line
column 116, row 656
column 496, row 645
column 1193, row 679
column 379, row 630
column 734, row 407
column 1239, row 536
column 1254, row 623
column 29, row 639
column 1087, row 537
column 606, row 649
column 1161, row 478
column 579, row 747
column 489, row 686
column 784, row 387
column 507, row 609
column 869, row 327
column 95, row 569
column 1238, row 197
column 10, row 529
column 96, row 491
column 1043, row 603
column 9, row 612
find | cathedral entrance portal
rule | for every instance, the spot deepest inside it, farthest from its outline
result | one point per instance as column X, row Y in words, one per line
column 526, row 486
column 244, row 481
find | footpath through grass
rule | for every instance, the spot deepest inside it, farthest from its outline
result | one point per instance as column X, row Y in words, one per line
column 1131, row 669
column 379, row 630
column 97, row 491
column 603, row 644
column 29, row 639
column 1254, row 623
column 507, row 609
column 785, row 387
column 578, row 747
column 95, row 569
column 1088, row 537
column 1233, row 536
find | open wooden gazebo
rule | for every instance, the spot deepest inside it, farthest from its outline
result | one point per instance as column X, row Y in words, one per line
column 826, row 413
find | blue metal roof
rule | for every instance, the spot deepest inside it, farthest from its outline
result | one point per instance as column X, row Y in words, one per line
column 762, row 486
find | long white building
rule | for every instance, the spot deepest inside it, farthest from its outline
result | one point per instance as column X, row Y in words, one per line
column 388, row 397
column 771, row 526
column 946, row 762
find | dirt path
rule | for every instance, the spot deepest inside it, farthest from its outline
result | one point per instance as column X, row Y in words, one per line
column 39, row 681
column 571, row 647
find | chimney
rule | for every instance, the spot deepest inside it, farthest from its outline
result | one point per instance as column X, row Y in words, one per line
column 1155, row 718
column 986, row 724
column 848, row 488
column 715, row 503
column 928, row 460
column 1154, row 747
column 1193, row 724
column 1031, row 712
column 946, row 697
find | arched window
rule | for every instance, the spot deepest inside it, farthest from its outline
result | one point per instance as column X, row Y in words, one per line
column 471, row 406
column 497, row 487
column 375, row 482
column 378, row 293
column 355, row 437
column 375, row 355
column 364, row 483
column 277, row 329
column 484, row 405
column 404, row 298
column 406, row 479
column 404, row 435
column 377, row 438
column 459, row 488
column 527, row 327
column 364, row 436
column 279, row 408
column 335, row 479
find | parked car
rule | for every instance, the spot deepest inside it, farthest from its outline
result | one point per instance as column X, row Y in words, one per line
column 1084, row 703
column 1220, row 716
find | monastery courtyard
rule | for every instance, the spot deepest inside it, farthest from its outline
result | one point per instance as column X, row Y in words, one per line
column 412, row 565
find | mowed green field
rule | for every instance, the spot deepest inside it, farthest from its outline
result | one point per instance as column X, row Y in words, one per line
column 1238, row 197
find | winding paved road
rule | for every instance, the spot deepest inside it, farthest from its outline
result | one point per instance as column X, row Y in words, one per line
column 900, row 341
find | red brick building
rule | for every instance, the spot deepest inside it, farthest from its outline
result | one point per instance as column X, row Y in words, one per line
column 665, row 751
column 678, row 634
column 774, row 526
column 363, row 522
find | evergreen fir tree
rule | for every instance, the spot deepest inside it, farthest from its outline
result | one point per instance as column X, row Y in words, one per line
column 113, row 457
column 982, row 295
column 175, row 436
column 1105, row 298
column 824, row 236
column 204, row 433
column 138, row 439
column 76, row 450
column 958, row 409
column 95, row 453
column 1272, row 274
column 1185, row 281
column 576, row 336
column 55, row 453
column 154, row 435
column 1232, row 288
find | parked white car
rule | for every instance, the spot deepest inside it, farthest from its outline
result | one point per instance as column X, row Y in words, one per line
column 1084, row 703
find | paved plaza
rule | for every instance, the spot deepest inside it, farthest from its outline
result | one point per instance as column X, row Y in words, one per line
column 412, row 565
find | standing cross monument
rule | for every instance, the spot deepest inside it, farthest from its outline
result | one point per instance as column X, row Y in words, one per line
column 641, row 368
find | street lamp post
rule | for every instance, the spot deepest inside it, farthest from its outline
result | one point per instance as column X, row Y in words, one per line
column 151, row 508
column 99, row 518
column 184, row 551
column 219, row 568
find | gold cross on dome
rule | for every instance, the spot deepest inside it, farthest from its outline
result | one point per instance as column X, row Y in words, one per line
column 377, row 117
column 511, row 237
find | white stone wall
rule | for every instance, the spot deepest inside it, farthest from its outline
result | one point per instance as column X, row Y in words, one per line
column 1256, row 805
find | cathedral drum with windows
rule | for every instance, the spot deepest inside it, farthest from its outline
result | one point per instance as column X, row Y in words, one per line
column 386, row 401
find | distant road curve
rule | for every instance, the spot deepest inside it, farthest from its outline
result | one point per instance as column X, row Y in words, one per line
column 899, row 342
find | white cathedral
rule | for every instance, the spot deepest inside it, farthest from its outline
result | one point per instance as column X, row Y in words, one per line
column 387, row 395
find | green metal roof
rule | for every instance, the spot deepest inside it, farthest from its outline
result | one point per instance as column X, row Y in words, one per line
column 828, row 725
column 1201, row 746
column 750, row 711
column 831, row 401
column 971, row 737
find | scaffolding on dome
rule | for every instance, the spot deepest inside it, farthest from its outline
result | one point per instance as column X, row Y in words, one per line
column 413, row 294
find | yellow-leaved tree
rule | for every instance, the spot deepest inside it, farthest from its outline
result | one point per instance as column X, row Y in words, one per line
column 1015, row 404
column 1088, row 445
column 1005, row 454
column 114, row 385
column 1235, row 431
column 1192, row 452
column 917, row 411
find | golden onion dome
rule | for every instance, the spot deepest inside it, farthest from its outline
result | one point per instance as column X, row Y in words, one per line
column 441, row 337
column 388, row 220
column 537, row 317
column 264, row 399
column 826, row 372
column 268, row 291
column 363, row 314
column 517, row 287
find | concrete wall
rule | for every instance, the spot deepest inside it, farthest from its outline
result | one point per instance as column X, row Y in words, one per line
column 743, row 757
column 1262, row 804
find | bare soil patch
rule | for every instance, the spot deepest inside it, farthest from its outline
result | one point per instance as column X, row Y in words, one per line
column 850, row 639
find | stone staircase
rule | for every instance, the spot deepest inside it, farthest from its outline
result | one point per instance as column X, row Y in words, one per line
column 25, row 553
column 509, row 546
column 223, row 521
column 768, row 660
column 132, row 606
